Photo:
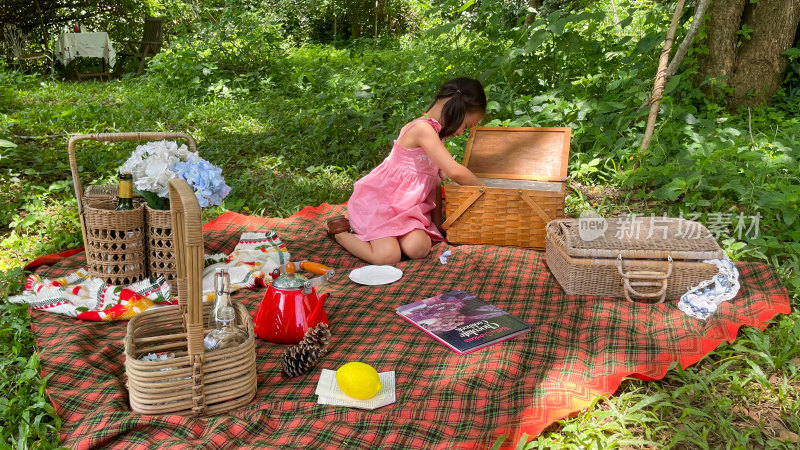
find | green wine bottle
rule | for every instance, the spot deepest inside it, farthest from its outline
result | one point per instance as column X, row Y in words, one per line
column 125, row 192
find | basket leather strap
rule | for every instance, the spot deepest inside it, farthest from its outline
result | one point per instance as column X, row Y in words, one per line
column 464, row 206
column 536, row 208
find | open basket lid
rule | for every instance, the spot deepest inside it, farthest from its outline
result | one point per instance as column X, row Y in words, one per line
column 635, row 238
column 518, row 153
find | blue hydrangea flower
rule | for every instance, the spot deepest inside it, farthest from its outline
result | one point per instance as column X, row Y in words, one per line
column 205, row 179
column 155, row 163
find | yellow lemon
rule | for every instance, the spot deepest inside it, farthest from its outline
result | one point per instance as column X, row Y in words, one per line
column 358, row 380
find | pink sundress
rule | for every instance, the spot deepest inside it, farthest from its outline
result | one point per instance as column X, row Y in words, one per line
column 397, row 196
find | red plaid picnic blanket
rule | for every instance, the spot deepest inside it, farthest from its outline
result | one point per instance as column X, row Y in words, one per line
column 579, row 347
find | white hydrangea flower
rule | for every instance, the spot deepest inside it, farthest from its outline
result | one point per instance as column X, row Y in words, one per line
column 154, row 164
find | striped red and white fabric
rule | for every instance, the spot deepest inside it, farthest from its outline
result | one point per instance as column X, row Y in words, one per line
column 77, row 295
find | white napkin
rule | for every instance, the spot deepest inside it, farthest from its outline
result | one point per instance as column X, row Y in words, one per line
column 330, row 394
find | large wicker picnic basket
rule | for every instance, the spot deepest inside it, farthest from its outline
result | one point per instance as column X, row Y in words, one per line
column 652, row 258
column 524, row 169
column 192, row 382
column 156, row 224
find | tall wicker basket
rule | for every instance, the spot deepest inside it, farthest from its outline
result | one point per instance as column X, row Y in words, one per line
column 193, row 382
column 157, row 238
column 161, row 246
column 114, row 242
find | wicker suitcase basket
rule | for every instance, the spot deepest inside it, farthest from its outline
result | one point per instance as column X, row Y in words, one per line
column 157, row 239
column 524, row 170
column 660, row 258
column 193, row 382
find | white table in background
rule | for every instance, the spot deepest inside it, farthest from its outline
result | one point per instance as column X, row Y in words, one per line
column 70, row 46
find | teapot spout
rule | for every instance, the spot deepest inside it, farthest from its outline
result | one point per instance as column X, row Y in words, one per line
column 318, row 314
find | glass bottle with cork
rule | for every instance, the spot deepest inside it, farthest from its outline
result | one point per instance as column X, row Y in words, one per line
column 223, row 317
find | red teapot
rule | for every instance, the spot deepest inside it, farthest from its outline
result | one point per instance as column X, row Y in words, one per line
column 291, row 306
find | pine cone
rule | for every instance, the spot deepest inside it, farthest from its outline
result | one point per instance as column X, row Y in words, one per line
column 298, row 360
column 318, row 337
column 302, row 357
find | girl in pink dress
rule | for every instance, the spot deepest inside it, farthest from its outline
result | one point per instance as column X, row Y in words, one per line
column 390, row 209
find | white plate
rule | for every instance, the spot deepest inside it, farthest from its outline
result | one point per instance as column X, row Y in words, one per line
column 375, row 275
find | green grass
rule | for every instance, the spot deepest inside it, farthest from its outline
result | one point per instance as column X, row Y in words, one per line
column 304, row 133
column 27, row 417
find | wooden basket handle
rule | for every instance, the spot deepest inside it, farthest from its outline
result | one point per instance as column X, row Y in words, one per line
column 115, row 137
column 527, row 198
column 560, row 228
column 187, row 229
column 463, row 207
column 649, row 279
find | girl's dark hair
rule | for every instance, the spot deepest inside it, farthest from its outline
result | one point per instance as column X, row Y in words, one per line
column 466, row 95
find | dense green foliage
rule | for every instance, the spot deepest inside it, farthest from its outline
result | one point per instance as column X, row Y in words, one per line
column 294, row 115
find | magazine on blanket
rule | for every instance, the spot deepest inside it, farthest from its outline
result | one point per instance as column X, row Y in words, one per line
column 462, row 321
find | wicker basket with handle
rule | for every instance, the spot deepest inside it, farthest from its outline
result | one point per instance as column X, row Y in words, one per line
column 654, row 258
column 193, row 382
column 158, row 223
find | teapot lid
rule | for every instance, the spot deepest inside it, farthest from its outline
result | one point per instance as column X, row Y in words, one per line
column 289, row 281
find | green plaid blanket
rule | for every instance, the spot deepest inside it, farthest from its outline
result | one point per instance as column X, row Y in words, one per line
column 579, row 347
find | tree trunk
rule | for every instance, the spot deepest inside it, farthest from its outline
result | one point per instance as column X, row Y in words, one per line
column 614, row 11
column 700, row 9
column 749, row 61
column 760, row 67
column 721, row 37
column 535, row 4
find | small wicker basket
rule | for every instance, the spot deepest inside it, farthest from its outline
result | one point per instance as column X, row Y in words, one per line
column 114, row 242
column 158, row 231
column 192, row 382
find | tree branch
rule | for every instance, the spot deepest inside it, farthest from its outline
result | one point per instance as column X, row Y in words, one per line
column 683, row 49
column 661, row 76
column 686, row 43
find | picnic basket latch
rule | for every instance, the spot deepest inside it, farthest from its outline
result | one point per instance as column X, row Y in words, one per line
column 643, row 278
